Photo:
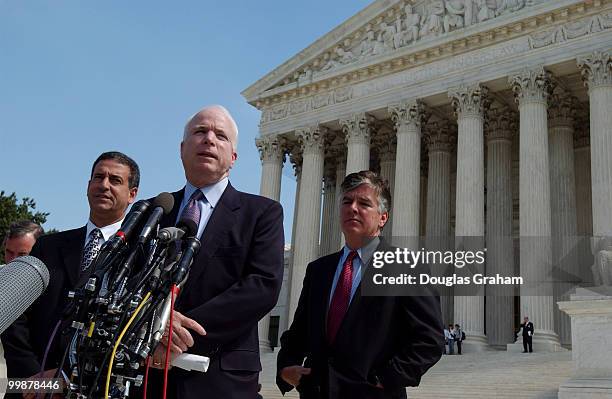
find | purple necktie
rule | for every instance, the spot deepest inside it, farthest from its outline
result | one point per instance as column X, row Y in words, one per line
column 341, row 298
column 192, row 209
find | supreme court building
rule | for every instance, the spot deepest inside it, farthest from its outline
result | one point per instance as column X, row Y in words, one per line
column 488, row 118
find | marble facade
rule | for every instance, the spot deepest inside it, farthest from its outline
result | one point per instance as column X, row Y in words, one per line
column 489, row 118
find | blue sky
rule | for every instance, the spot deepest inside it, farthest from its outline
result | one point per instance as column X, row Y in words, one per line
column 81, row 77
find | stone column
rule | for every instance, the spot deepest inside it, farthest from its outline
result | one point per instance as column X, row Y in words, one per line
column 597, row 73
column 584, row 212
column 357, row 135
column 387, row 144
column 582, row 166
column 532, row 88
column 329, row 207
column 437, row 230
column 272, row 156
column 561, row 111
column 500, row 248
column 340, row 175
column 407, row 117
column 295, row 157
column 423, row 191
column 470, row 104
column 309, row 210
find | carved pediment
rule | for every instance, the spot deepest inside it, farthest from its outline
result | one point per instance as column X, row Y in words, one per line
column 378, row 31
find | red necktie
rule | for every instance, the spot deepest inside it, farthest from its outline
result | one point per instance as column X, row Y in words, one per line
column 341, row 298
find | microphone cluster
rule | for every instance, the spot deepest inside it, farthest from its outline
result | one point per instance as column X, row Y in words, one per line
column 118, row 316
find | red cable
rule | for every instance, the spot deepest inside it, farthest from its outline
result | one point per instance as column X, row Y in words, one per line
column 146, row 378
column 173, row 291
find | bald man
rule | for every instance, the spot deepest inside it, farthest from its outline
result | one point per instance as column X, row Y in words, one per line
column 236, row 277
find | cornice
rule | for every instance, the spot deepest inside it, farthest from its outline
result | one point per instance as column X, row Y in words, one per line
column 500, row 29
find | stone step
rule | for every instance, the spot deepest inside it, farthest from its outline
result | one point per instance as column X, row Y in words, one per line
column 483, row 375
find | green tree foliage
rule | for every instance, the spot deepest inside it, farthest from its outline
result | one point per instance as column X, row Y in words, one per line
column 11, row 211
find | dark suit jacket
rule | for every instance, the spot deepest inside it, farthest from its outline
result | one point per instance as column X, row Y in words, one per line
column 392, row 340
column 26, row 339
column 527, row 328
column 234, row 281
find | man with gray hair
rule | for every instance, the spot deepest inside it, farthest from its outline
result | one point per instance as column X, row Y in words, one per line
column 236, row 277
column 344, row 344
column 20, row 238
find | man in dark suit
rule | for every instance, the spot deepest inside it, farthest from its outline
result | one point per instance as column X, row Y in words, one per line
column 113, row 185
column 235, row 279
column 343, row 344
column 528, row 330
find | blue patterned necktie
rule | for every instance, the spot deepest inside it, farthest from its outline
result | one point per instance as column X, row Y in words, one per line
column 192, row 209
column 92, row 248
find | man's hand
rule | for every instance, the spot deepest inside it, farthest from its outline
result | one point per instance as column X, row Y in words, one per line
column 293, row 374
column 158, row 359
column 181, row 337
column 37, row 376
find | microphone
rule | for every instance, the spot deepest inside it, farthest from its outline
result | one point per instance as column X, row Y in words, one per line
column 188, row 226
column 169, row 234
column 132, row 219
column 191, row 249
column 162, row 205
column 22, row 281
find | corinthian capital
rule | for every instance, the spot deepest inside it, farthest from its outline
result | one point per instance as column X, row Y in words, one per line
column 385, row 143
column 270, row 148
column 356, row 127
column 596, row 69
column 502, row 124
column 561, row 108
column 294, row 149
column 311, row 138
column 439, row 137
column 470, row 100
column 407, row 113
column 531, row 85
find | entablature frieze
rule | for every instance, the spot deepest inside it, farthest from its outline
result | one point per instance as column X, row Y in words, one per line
column 333, row 85
column 426, row 80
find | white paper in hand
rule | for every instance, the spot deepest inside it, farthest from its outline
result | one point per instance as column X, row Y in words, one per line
column 189, row 362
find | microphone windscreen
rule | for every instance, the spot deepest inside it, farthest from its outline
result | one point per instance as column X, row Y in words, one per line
column 22, row 281
column 190, row 227
column 165, row 201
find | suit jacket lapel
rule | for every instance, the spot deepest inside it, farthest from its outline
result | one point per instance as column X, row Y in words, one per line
column 71, row 253
column 221, row 221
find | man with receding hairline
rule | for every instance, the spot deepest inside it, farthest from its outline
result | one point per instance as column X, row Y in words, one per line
column 343, row 344
column 236, row 277
column 112, row 187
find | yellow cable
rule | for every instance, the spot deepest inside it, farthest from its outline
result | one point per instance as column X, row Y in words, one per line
column 110, row 364
column 91, row 329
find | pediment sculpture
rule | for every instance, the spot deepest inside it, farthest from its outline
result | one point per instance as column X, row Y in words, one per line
column 410, row 24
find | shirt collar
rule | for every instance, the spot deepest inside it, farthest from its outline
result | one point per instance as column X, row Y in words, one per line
column 107, row 231
column 365, row 253
column 212, row 192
